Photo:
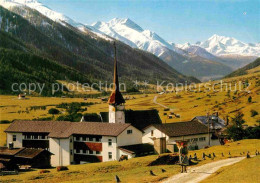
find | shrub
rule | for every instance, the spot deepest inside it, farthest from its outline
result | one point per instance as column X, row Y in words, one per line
column 253, row 113
column 61, row 168
column 5, row 122
column 249, row 99
column 44, row 171
column 53, row 111
column 132, row 90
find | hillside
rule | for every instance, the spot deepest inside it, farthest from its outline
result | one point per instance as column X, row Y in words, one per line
column 28, row 68
column 83, row 51
column 244, row 70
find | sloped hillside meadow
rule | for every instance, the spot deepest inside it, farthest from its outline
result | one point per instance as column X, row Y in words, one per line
column 185, row 104
column 136, row 169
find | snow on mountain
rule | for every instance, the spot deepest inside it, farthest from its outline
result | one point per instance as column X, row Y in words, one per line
column 221, row 45
column 197, row 50
column 132, row 34
column 34, row 4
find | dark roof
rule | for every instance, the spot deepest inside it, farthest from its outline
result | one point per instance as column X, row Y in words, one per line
column 64, row 129
column 139, row 119
column 217, row 121
column 29, row 153
column 20, row 152
column 137, row 148
column 7, row 151
column 182, row 128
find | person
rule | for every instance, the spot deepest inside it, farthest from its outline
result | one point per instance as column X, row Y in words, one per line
column 184, row 163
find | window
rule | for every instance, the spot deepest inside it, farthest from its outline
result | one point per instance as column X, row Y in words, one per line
column 77, row 151
column 70, row 140
column 42, row 136
column 98, row 139
column 109, row 142
column 14, row 138
column 90, row 152
column 84, row 139
column 202, row 139
column 195, row 139
column 35, row 136
column 109, row 155
column 97, row 152
column 78, row 138
column 151, row 132
column 129, row 131
column 84, row 151
column 70, row 152
column 90, row 139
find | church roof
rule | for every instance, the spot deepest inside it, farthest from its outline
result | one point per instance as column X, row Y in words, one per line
column 139, row 119
column 116, row 97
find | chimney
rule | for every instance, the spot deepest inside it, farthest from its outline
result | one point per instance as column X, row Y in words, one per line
column 10, row 145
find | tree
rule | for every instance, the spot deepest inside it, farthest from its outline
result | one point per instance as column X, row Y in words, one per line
column 53, row 111
column 236, row 131
column 238, row 120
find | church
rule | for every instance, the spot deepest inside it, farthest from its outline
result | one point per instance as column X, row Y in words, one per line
column 120, row 134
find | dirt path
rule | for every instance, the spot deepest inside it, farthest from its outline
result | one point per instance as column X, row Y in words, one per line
column 200, row 173
column 155, row 101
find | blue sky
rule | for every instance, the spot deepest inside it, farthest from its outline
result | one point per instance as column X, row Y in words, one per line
column 178, row 21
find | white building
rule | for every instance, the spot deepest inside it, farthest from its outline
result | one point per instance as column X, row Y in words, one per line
column 75, row 142
column 197, row 134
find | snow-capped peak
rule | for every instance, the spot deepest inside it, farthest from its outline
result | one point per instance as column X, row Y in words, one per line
column 221, row 45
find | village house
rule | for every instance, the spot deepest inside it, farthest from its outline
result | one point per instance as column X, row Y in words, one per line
column 11, row 157
column 74, row 142
column 213, row 121
column 164, row 136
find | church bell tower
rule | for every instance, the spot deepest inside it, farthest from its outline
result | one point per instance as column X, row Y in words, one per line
column 116, row 100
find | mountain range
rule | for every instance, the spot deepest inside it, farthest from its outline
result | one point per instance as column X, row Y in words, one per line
column 26, row 33
column 211, row 59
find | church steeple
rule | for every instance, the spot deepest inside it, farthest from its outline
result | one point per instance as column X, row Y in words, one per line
column 116, row 100
column 116, row 97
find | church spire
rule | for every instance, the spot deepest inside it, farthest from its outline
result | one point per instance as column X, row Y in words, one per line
column 116, row 97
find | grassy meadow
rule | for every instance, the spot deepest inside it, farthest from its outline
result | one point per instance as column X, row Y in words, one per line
column 133, row 170
column 246, row 171
column 185, row 103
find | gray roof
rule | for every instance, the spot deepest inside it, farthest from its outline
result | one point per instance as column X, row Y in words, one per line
column 178, row 129
column 218, row 123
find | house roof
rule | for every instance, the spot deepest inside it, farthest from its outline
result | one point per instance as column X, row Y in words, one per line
column 7, row 151
column 182, row 128
column 139, row 119
column 137, row 148
column 29, row 153
column 20, row 152
column 64, row 129
column 216, row 121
